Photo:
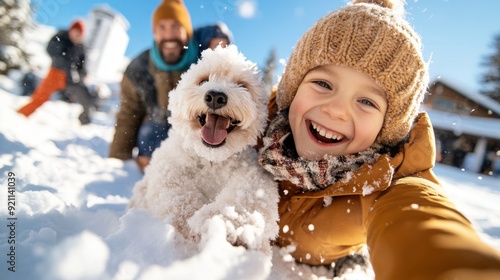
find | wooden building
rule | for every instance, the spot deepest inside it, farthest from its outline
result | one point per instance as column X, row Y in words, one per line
column 467, row 127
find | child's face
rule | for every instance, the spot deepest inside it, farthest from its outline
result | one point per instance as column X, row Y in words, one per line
column 337, row 111
column 76, row 36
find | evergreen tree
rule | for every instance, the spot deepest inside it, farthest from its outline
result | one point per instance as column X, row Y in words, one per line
column 268, row 71
column 15, row 19
column 491, row 79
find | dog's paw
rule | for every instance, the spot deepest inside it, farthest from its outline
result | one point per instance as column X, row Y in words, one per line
column 241, row 228
column 245, row 229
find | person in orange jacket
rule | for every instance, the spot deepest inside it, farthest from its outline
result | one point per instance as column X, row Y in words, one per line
column 67, row 71
column 354, row 157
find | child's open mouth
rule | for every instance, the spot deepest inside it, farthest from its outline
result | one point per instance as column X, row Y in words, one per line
column 323, row 135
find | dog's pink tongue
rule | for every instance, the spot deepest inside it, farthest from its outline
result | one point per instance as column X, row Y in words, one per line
column 214, row 131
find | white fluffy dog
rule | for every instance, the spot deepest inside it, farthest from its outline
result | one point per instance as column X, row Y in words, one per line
column 207, row 168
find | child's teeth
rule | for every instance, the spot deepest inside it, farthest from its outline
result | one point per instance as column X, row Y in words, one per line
column 328, row 134
column 322, row 132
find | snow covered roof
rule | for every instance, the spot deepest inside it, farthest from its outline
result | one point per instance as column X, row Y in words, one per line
column 481, row 99
column 461, row 124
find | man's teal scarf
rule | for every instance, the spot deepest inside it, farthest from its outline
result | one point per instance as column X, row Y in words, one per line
column 190, row 56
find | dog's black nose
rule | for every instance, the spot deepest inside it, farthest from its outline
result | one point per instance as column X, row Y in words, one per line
column 215, row 99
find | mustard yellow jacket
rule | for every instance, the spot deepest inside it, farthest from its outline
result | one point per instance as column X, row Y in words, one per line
column 412, row 229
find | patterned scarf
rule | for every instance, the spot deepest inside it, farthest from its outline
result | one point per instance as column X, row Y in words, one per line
column 279, row 157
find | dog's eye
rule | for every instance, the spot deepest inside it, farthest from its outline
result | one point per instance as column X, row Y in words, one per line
column 203, row 81
column 243, row 85
column 235, row 122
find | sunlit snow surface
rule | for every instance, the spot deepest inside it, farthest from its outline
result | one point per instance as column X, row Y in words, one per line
column 71, row 208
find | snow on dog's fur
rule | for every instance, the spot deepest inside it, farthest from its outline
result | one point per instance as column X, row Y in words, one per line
column 207, row 169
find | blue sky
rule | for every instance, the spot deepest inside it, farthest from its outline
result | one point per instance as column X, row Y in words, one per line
column 456, row 34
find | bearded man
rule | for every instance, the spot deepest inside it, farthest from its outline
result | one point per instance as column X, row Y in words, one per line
column 142, row 118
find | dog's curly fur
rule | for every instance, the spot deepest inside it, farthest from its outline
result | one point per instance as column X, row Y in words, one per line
column 207, row 167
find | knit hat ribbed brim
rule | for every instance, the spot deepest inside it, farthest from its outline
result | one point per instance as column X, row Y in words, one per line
column 375, row 40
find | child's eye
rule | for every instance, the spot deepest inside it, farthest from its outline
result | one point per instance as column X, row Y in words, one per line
column 323, row 84
column 368, row 102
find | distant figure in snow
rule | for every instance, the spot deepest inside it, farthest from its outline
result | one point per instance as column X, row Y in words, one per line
column 211, row 36
column 66, row 73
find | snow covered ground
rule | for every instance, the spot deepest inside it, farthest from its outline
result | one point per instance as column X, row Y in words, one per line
column 71, row 221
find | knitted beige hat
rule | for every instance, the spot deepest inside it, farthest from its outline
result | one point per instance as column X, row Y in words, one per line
column 373, row 38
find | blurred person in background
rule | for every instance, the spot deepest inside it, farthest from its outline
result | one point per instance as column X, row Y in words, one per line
column 141, row 121
column 211, row 36
column 67, row 71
